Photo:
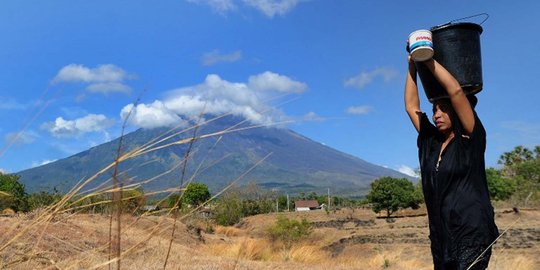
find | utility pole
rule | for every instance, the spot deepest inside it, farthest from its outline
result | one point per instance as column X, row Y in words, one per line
column 288, row 209
column 328, row 199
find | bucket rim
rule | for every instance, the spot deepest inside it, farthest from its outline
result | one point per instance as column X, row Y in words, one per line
column 474, row 26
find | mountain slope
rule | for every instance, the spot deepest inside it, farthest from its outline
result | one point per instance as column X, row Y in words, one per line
column 295, row 163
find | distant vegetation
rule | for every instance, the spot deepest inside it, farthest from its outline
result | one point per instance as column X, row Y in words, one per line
column 516, row 182
column 13, row 195
column 519, row 179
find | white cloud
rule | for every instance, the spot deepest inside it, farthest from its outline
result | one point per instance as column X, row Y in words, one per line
column 70, row 128
column 109, row 87
column 2, row 171
column 214, row 57
column 312, row 116
column 102, row 79
column 151, row 116
column 271, row 8
column 43, row 162
column 272, row 81
column 11, row 104
column 215, row 96
column 364, row 78
column 408, row 171
column 23, row 137
column 359, row 110
column 219, row 6
column 80, row 73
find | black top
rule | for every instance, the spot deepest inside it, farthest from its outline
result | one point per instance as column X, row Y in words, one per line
column 455, row 190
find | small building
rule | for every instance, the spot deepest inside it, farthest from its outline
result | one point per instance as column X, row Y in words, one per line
column 306, row 205
column 150, row 208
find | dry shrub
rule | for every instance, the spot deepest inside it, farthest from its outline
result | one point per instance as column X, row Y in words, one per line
column 307, row 254
column 245, row 248
column 8, row 212
column 227, row 230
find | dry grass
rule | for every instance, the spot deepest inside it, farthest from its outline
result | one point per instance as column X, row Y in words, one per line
column 81, row 241
column 227, row 230
column 512, row 260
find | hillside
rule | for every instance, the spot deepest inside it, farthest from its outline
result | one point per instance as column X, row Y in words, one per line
column 295, row 164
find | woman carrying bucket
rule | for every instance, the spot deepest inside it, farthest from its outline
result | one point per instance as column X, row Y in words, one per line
column 451, row 154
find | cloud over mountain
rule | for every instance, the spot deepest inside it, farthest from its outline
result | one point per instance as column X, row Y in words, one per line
column 216, row 96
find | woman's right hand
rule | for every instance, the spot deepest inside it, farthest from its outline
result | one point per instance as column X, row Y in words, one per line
column 409, row 58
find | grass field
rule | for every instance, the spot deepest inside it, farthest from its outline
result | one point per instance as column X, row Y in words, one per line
column 345, row 239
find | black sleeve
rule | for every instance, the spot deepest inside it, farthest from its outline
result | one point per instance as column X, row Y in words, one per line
column 476, row 141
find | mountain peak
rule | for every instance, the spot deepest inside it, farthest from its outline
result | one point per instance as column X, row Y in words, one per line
column 296, row 163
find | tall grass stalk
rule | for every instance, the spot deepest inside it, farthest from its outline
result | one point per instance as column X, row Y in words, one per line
column 178, row 201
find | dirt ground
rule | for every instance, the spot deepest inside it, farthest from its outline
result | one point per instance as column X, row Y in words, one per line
column 345, row 239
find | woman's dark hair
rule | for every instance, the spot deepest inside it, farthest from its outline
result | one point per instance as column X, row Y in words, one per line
column 446, row 106
column 445, row 103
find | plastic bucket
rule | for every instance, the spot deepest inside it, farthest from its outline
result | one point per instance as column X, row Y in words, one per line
column 456, row 47
column 421, row 45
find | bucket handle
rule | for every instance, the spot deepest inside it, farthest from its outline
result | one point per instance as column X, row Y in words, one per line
column 461, row 19
column 472, row 16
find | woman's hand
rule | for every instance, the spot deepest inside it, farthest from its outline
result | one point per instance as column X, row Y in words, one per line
column 409, row 57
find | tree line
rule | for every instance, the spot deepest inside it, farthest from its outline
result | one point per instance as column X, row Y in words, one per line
column 517, row 182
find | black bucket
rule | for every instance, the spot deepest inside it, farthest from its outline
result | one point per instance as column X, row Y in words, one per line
column 457, row 48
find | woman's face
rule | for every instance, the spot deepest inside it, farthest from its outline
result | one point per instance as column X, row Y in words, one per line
column 441, row 117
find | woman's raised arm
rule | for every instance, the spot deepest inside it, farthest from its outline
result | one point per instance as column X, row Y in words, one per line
column 458, row 98
column 412, row 102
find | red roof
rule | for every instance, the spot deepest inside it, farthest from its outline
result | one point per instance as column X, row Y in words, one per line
column 308, row 203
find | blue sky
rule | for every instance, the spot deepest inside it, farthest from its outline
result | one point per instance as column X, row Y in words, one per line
column 336, row 69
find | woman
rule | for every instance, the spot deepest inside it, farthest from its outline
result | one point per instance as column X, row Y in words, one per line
column 451, row 153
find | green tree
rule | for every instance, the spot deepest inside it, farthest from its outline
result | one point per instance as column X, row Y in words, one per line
column 523, row 167
column 172, row 199
column 196, row 194
column 13, row 194
column 43, row 199
column 289, row 230
column 391, row 194
column 528, row 180
column 418, row 192
column 500, row 187
column 312, row 196
column 518, row 155
column 282, row 202
column 228, row 210
column 256, row 207
column 132, row 200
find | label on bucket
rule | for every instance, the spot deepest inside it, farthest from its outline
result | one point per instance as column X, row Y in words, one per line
column 421, row 45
